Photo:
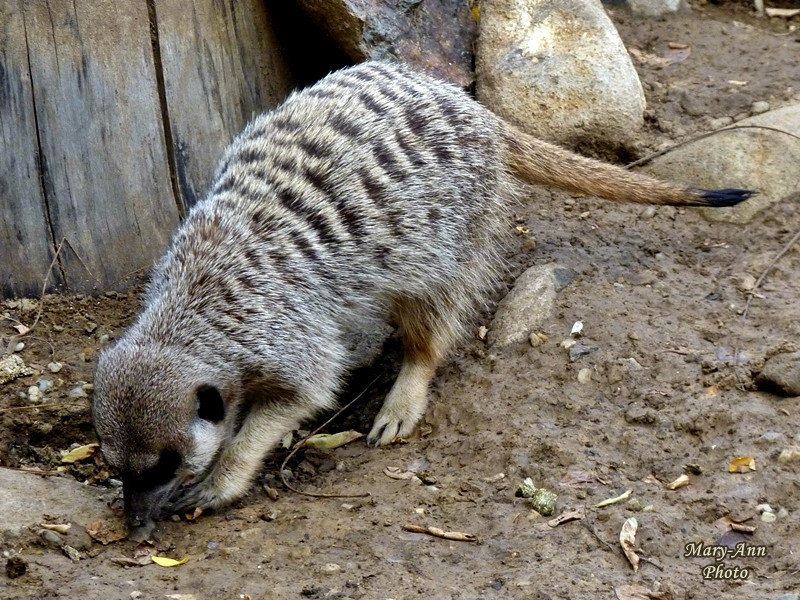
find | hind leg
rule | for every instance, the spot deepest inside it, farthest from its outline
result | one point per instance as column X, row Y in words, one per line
column 427, row 336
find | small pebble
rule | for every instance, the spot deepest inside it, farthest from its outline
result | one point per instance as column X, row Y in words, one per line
column 762, row 508
column 52, row 538
column 744, row 282
column 760, row 106
column 116, row 483
column 648, row 213
column 782, row 513
column 787, row 597
column 34, row 394
column 45, row 385
column 77, row 392
column 769, row 517
column 90, row 327
column 771, row 437
column 54, row 367
column 136, row 594
column 19, row 347
column 331, row 568
column 584, row 375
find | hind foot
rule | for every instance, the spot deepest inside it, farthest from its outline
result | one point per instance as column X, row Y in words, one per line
column 405, row 404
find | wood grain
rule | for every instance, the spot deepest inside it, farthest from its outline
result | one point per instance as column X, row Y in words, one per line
column 222, row 65
column 26, row 248
column 105, row 172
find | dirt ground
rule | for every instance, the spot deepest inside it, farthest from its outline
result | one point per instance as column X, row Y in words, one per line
column 671, row 393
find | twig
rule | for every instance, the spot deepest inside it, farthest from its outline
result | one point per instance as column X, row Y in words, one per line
column 45, row 405
column 299, row 445
column 768, row 268
column 46, row 279
column 752, row 293
column 702, row 136
column 587, row 523
column 32, row 471
column 457, row 536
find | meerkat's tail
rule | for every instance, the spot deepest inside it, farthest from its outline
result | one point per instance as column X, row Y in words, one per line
column 536, row 161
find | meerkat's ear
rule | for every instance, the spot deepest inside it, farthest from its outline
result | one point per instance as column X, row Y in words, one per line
column 210, row 406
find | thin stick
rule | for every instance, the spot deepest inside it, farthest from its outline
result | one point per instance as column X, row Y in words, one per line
column 32, row 471
column 45, row 405
column 299, row 445
column 751, row 294
column 769, row 267
column 457, row 536
column 702, row 136
column 46, row 279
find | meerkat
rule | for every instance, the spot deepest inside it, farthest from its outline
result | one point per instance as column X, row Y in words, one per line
column 377, row 191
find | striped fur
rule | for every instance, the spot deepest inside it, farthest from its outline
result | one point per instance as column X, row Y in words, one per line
column 376, row 193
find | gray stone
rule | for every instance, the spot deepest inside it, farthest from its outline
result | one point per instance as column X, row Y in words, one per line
column 781, row 374
column 655, row 8
column 754, row 158
column 558, row 70
column 787, row 597
column 770, row 438
column 525, row 307
column 578, row 351
column 26, row 498
column 437, row 37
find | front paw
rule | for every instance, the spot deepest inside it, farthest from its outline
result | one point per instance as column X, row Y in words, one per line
column 201, row 495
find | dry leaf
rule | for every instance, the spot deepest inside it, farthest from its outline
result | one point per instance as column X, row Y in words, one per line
column 22, row 329
column 168, row 562
column 80, row 453
column 648, row 59
column 565, row 517
column 743, row 464
column 329, row 441
column 396, row 473
column 627, row 538
column 680, row 482
column 98, row 531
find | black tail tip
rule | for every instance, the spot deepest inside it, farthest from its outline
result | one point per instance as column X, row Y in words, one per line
column 725, row 197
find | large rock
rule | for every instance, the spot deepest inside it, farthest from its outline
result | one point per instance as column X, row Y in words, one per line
column 26, row 498
column 761, row 153
column 653, row 8
column 781, row 374
column 436, row 36
column 558, row 69
column 526, row 307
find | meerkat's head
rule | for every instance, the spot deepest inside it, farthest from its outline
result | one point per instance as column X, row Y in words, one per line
column 160, row 415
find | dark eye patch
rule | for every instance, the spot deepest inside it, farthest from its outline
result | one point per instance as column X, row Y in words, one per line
column 163, row 472
column 210, row 406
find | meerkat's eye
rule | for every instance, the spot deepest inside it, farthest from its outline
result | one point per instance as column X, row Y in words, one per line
column 210, row 406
